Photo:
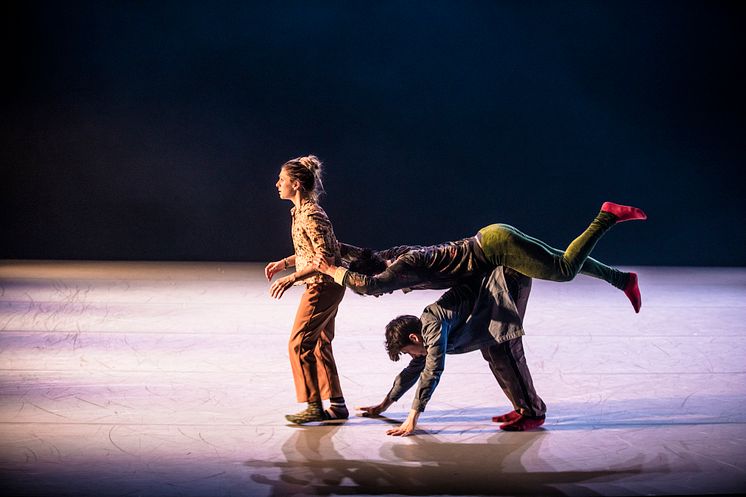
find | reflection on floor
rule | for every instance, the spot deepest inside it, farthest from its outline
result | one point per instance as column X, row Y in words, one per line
column 172, row 379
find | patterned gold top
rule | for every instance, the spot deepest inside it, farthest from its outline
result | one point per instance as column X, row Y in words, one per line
column 312, row 234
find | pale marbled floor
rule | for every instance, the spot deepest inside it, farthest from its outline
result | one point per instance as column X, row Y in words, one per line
column 172, row 379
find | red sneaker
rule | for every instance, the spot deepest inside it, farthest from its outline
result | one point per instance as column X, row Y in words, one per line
column 524, row 423
column 506, row 418
column 632, row 291
column 623, row 212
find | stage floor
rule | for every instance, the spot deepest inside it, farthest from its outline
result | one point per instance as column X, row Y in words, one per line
column 172, row 379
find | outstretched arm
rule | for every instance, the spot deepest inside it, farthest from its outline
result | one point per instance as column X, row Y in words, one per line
column 397, row 276
column 375, row 411
column 407, row 427
column 431, row 367
column 424, row 370
column 403, row 382
column 448, row 313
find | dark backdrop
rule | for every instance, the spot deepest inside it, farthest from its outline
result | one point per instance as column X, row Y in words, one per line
column 155, row 130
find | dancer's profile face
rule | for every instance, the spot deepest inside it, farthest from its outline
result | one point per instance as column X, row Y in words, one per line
column 285, row 186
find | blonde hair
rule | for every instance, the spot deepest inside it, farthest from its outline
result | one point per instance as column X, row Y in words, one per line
column 307, row 170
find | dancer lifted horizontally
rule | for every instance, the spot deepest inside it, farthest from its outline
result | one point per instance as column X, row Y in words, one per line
column 310, row 347
column 447, row 265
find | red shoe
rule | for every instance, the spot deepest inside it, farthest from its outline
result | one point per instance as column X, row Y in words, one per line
column 506, row 418
column 524, row 423
column 623, row 212
column 632, row 291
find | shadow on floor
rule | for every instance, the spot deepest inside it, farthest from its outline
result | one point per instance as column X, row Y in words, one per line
column 423, row 466
column 651, row 412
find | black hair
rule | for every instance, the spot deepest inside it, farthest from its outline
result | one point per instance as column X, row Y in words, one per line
column 369, row 263
column 397, row 334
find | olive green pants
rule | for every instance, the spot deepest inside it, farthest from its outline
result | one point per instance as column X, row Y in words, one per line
column 504, row 245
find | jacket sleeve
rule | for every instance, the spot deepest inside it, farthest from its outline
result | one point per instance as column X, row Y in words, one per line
column 406, row 379
column 394, row 252
column 439, row 321
column 436, row 342
column 397, row 276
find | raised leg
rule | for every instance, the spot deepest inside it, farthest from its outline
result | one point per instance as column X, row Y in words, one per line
column 507, row 246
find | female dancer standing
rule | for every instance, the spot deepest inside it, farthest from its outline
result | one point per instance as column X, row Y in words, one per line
column 311, row 358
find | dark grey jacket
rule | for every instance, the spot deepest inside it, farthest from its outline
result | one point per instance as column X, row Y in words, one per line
column 467, row 317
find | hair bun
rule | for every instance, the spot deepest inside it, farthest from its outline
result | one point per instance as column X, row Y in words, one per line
column 307, row 170
column 311, row 162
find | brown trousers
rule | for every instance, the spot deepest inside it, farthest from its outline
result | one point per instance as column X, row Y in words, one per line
column 310, row 347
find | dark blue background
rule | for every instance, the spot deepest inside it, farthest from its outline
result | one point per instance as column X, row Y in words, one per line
column 155, row 130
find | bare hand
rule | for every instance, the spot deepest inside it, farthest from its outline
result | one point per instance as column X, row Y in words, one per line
column 404, row 430
column 407, row 427
column 279, row 286
column 372, row 411
column 273, row 268
column 323, row 265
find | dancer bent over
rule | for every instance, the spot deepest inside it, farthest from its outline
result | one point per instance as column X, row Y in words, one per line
column 485, row 314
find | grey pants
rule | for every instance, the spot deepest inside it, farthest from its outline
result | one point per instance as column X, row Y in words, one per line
column 508, row 363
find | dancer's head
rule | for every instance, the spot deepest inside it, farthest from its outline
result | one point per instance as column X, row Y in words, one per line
column 369, row 263
column 404, row 336
column 302, row 174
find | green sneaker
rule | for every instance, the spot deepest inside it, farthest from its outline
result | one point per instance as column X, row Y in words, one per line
column 310, row 414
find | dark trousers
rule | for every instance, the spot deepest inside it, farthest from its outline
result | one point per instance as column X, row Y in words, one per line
column 508, row 363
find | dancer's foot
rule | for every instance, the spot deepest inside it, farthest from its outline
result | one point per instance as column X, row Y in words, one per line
column 524, row 423
column 336, row 413
column 506, row 418
column 310, row 414
column 623, row 212
column 632, row 291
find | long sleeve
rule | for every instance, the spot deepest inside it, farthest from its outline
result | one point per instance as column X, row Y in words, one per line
column 398, row 275
column 427, row 369
column 313, row 234
column 461, row 321
column 406, row 379
column 321, row 235
column 442, row 330
column 367, row 283
column 394, row 252
column 434, row 267
column 435, row 363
